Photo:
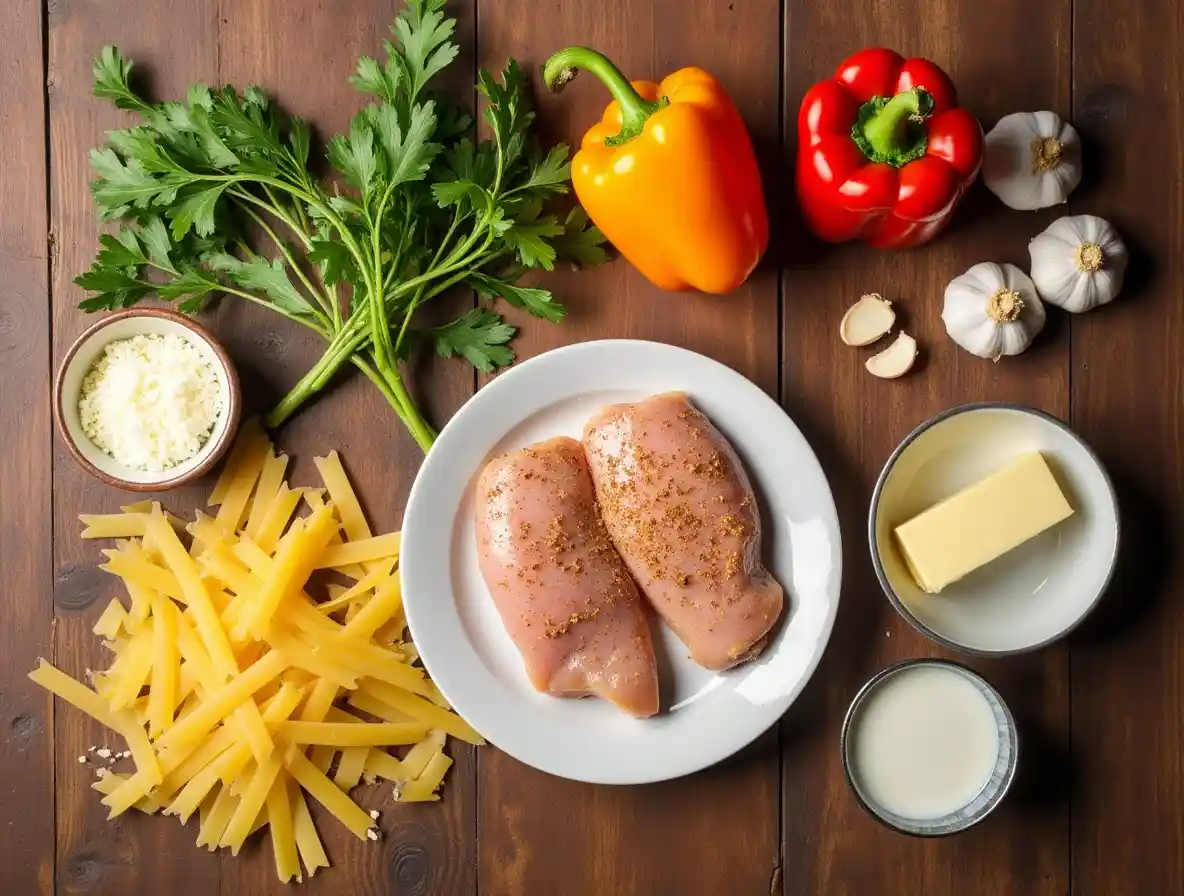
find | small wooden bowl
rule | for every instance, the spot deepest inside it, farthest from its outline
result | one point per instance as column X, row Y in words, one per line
column 81, row 357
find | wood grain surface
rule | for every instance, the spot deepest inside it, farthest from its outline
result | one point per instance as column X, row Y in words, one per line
column 1097, row 808
column 26, row 483
column 1128, row 401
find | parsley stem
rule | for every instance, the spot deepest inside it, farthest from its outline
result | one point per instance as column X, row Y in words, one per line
column 321, row 208
column 407, row 318
column 304, row 322
column 410, row 415
column 277, row 209
column 420, row 430
column 340, row 348
column 384, row 352
column 349, row 340
column 317, row 296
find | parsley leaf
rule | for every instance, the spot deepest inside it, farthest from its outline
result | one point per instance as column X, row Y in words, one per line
column 123, row 183
column 154, row 237
column 269, row 277
column 456, row 191
column 111, row 72
column 480, row 337
column 334, row 259
column 425, row 36
column 196, row 210
column 121, row 250
column 581, row 242
column 529, row 238
column 538, row 302
column 373, row 78
column 113, row 288
column 193, row 286
column 551, row 174
column 406, row 156
column 354, row 156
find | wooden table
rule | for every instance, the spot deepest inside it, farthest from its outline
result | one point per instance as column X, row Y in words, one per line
column 1098, row 807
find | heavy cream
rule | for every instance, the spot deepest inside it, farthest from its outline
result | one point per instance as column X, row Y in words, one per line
column 924, row 743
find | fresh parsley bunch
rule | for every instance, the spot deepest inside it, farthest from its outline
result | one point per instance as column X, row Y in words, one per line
column 215, row 195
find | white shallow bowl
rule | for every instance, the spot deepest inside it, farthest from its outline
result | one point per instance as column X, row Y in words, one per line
column 1031, row 596
column 705, row 716
column 88, row 348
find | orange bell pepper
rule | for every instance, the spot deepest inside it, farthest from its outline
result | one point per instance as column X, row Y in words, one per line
column 669, row 176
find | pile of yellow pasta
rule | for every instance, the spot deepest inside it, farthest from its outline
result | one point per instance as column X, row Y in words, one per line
column 237, row 692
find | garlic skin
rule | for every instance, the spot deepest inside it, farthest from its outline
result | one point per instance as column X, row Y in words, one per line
column 993, row 310
column 1078, row 263
column 1032, row 160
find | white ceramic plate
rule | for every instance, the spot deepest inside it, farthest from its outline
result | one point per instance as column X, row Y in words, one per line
column 1030, row 596
column 706, row 716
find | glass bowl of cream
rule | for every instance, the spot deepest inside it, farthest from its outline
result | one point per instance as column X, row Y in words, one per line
column 929, row 747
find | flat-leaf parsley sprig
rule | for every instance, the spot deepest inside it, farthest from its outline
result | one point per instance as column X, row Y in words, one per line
column 197, row 182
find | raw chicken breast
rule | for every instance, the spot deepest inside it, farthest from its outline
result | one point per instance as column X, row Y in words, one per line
column 563, row 592
column 681, row 512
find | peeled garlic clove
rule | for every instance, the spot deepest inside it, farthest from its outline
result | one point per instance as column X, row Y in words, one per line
column 896, row 360
column 867, row 320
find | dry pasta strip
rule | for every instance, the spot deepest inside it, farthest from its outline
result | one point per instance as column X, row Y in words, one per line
column 353, row 521
column 371, row 580
column 380, row 547
column 345, row 734
column 325, row 792
column 281, row 825
column 423, row 788
column 312, row 852
column 271, row 480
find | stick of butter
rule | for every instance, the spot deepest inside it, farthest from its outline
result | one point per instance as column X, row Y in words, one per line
column 982, row 522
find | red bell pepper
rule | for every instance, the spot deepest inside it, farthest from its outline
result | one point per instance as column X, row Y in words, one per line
column 884, row 151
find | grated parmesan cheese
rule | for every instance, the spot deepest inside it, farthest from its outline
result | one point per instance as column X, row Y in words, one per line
column 150, row 401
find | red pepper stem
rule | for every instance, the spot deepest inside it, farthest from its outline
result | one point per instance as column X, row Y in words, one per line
column 887, row 129
column 565, row 64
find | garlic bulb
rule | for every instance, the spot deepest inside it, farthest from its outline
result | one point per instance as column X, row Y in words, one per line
column 1032, row 160
column 992, row 310
column 1078, row 263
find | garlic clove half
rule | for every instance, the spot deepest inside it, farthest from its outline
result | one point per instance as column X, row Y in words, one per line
column 896, row 360
column 867, row 320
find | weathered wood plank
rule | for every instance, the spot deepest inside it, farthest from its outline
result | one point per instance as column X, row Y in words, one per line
column 1128, row 401
column 26, row 468
column 854, row 421
column 175, row 45
column 716, row 832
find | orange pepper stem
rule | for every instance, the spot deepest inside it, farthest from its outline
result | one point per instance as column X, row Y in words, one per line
column 564, row 66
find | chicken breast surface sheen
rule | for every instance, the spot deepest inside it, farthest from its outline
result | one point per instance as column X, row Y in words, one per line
column 681, row 512
column 561, row 589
